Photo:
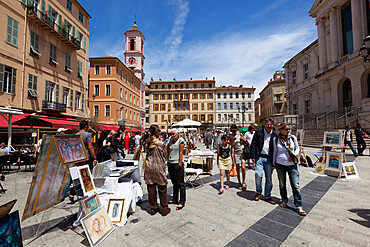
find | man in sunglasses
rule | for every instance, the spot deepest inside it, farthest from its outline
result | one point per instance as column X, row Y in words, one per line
column 262, row 150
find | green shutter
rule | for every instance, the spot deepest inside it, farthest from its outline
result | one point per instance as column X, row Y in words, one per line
column 78, row 34
column 46, row 90
column 76, row 106
column 2, row 67
column 84, row 47
column 57, row 93
column 43, row 5
column 30, row 80
column 9, row 30
column 50, row 10
column 73, row 31
column 83, row 102
column 63, row 95
column 14, row 78
column 60, row 23
column 34, row 83
column 71, row 98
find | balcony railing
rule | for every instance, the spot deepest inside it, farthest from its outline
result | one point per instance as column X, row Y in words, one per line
column 46, row 20
column 53, row 106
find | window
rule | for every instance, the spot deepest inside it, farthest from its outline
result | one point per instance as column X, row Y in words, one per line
column 107, row 90
column 12, row 32
column 224, row 95
column 53, row 55
column 195, row 85
column 121, row 75
column 210, row 85
column 78, row 100
column 155, row 118
column 69, row 5
column 278, row 88
column 195, row 106
column 250, row 105
column 210, row 96
column 34, row 44
column 202, row 85
column 120, row 93
column 68, row 63
column 237, row 117
column 79, row 69
column 278, row 97
column 249, row 117
column 202, row 106
column 96, row 111
column 32, row 86
column 231, row 106
column 65, row 96
column 176, row 96
column 107, row 111
column 249, row 94
column 218, row 106
column 130, row 99
column 155, row 96
column 294, row 77
column 96, row 90
column 169, row 96
column 187, row 96
column 236, row 95
column 219, row 117
column 236, row 105
column 97, row 68
column 202, row 96
column 307, row 104
column 305, row 71
column 163, row 107
column 278, row 109
column 347, row 34
column 186, row 85
column 295, row 109
column 225, row 105
column 107, row 72
column 218, row 96
column 132, row 44
column 80, row 16
column 49, row 91
column 126, row 95
column 7, row 79
column 210, row 106
column 162, row 96
column 202, row 117
column 195, row 96
column 231, row 95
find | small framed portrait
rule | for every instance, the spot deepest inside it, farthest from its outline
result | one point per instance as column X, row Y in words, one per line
column 71, row 149
column 334, row 139
column 334, row 161
column 300, row 135
column 90, row 204
column 115, row 209
column 86, row 180
column 97, row 226
column 320, row 168
column 350, row 170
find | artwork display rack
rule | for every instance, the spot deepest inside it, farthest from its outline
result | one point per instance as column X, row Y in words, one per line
column 337, row 150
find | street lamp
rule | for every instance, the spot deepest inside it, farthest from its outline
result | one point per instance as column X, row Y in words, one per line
column 167, row 122
column 242, row 110
column 365, row 49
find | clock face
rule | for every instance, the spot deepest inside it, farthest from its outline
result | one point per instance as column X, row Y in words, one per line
column 132, row 61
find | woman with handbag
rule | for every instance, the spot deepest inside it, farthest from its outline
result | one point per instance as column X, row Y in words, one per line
column 285, row 160
column 236, row 141
column 224, row 159
column 110, row 146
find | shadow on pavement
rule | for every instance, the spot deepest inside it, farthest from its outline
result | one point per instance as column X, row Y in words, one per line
column 249, row 195
column 363, row 213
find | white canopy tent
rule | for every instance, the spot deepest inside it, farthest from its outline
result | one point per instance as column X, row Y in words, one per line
column 7, row 113
column 187, row 123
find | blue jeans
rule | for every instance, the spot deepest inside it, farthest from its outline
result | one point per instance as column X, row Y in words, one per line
column 294, row 182
column 349, row 143
column 263, row 165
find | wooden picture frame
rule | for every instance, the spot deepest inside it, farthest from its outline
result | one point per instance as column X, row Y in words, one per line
column 6, row 208
column 90, row 204
column 97, row 226
column 350, row 170
column 333, row 139
column 320, row 168
column 115, row 209
column 334, row 161
column 86, row 180
column 71, row 149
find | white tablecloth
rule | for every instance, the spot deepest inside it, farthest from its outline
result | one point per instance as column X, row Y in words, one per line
column 206, row 153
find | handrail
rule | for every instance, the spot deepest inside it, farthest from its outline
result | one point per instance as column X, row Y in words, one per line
column 326, row 113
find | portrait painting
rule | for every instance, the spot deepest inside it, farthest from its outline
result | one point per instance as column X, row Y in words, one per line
column 86, row 180
column 5, row 208
column 97, row 226
column 334, row 161
column 10, row 230
column 333, row 139
column 91, row 203
column 320, row 168
column 300, row 135
column 71, row 149
column 350, row 170
column 115, row 209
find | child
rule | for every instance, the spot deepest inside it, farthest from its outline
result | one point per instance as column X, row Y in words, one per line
column 224, row 157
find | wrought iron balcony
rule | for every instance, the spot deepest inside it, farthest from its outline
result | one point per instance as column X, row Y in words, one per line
column 48, row 22
column 53, row 106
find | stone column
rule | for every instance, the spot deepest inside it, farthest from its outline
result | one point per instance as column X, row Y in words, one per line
column 322, row 42
column 356, row 24
column 334, row 34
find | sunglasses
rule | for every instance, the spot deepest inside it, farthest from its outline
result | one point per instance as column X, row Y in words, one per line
column 287, row 129
column 172, row 134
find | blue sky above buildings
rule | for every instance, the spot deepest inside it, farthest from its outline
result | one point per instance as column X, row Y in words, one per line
column 237, row 41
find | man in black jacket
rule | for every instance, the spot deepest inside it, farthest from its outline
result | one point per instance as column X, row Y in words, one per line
column 262, row 149
column 361, row 145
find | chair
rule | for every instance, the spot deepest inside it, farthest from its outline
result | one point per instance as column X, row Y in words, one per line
column 190, row 172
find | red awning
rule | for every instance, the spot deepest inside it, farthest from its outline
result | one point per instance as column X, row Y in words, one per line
column 59, row 123
column 43, row 121
column 109, row 127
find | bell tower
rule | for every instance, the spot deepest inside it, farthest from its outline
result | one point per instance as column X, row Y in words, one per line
column 134, row 51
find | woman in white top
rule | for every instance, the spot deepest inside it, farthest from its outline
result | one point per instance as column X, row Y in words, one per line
column 285, row 159
column 248, row 139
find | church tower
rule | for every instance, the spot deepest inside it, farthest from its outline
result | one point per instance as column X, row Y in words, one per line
column 134, row 51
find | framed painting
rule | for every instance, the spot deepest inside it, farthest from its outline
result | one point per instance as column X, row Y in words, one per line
column 97, row 226
column 350, row 170
column 320, row 168
column 333, row 139
column 71, row 149
column 90, row 204
column 10, row 230
column 300, row 135
column 334, row 161
column 115, row 209
column 86, row 180
column 6, row 208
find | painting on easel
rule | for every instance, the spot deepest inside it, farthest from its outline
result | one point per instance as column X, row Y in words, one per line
column 334, row 162
column 333, row 139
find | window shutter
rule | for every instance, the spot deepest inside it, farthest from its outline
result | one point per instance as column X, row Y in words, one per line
column 73, row 31
column 71, row 99
column 83, row 102
column 84, row 44
column 46, row 90
column 2, row 67
column 34, row 83
column 60, row 21
column 43, row 5
column 57, row 93
column 9, row 30
column 76, row 105
column 14, row 78
column 30, row 80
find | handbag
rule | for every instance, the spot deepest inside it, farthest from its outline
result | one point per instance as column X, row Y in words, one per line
column 233, row 172
column 291, row 154
column 108, row 150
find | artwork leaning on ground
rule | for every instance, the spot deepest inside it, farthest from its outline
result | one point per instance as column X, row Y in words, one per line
column 10, row 230
column 115, row 209
column 334, row 139
column 71, row 149
column 90, row 204
column 97, row 226
column 334, row 161
column 350, row 170
column 50, row 180
column 320, row 168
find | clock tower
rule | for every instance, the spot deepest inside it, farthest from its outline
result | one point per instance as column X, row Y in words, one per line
column 134, row 51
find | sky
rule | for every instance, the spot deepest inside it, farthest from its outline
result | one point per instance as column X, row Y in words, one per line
column 235, row 41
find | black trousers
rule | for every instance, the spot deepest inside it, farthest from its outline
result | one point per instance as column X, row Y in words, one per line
column 361, row 145
column 177, row 179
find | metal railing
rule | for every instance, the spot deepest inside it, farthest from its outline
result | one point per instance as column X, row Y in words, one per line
column 55, row 106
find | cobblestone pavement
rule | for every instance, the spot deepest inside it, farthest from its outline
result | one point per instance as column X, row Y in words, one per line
column 338, row 215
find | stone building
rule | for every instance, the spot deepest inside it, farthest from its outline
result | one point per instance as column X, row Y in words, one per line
column 44, row 60
column 330, row 73
column 257, row 110
column 234, row 105
column 272, row 97
column 173, row 101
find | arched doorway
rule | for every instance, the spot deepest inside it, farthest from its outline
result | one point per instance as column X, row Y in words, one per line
column 347, row 93
column 368, row 86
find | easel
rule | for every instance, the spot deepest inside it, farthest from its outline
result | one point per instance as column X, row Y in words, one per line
column 301, row 151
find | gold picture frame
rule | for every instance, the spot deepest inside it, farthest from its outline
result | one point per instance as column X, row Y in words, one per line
column 115, row 209
column 90, row 204
column 71, row 149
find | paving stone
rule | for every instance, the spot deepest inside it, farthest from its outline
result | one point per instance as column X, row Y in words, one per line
column 252, row 238
column 285, row 218
column 272, row 229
